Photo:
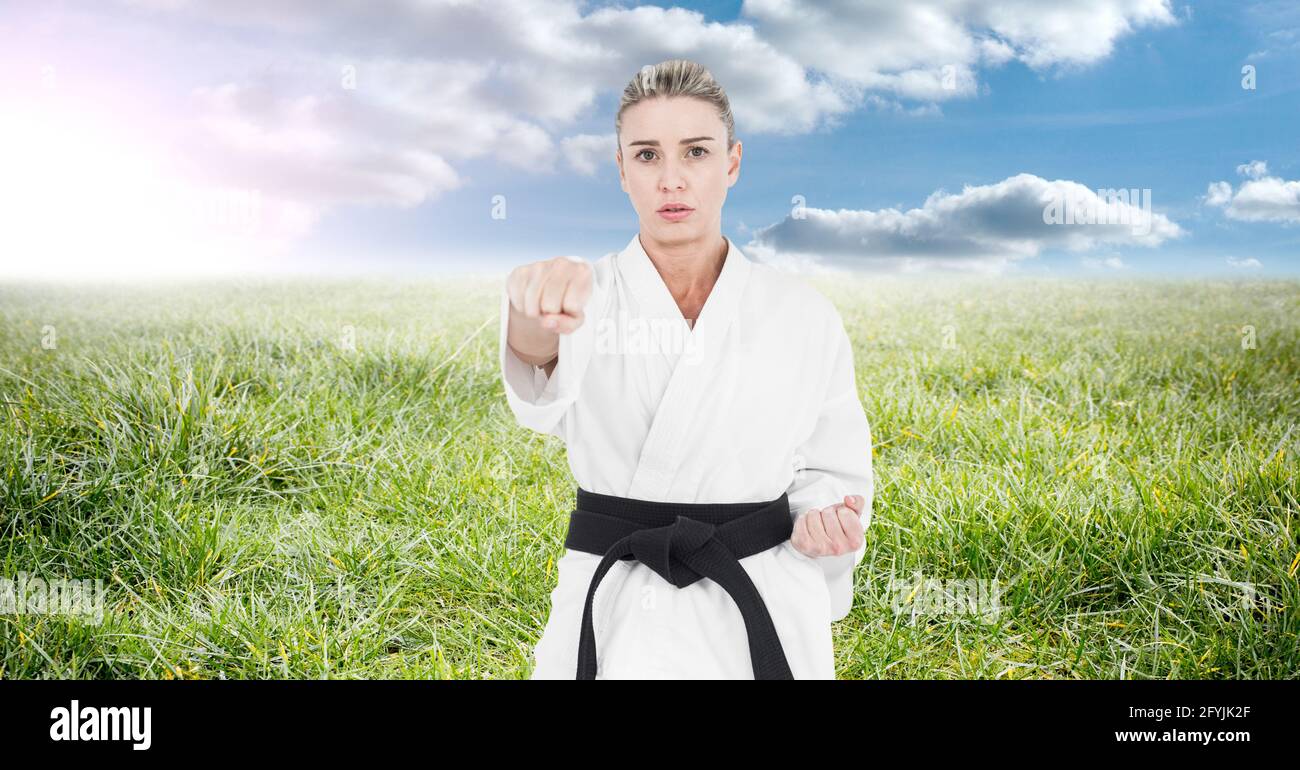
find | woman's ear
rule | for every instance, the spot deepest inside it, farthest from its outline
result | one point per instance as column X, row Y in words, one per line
column 733, row 167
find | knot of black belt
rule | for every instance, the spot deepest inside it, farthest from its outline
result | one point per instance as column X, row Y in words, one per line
column 683, row 542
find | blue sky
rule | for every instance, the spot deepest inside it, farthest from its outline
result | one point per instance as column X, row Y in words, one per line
column 453, row 107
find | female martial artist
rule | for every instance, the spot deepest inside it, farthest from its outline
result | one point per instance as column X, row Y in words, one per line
column 712, row 421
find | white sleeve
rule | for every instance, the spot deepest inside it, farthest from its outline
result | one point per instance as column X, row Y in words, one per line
column 834, row 461
column 540, row 402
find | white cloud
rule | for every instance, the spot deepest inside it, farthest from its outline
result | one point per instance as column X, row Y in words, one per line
column 985, row 227
column 909, row 48
column 1249, row 263
column 1261, row 198
column 585, row 153
column 316, row 149
column 1218, row 194
column 1072, row 34
column 930, row 110
column 1253, row 170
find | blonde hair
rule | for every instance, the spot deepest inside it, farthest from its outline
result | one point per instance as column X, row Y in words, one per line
column 676, row 77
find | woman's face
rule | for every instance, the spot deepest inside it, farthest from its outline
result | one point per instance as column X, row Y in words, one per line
column 675, row 151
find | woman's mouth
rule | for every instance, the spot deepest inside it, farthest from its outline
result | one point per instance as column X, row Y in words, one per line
column 675, row 213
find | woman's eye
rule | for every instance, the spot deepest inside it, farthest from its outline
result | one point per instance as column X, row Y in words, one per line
column 703, row 152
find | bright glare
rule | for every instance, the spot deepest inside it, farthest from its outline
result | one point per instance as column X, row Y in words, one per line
column 78, row 200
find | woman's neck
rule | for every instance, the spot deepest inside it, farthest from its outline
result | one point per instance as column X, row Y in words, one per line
column 690, row 271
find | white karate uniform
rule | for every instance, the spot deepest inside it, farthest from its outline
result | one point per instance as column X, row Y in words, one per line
column 758, row 398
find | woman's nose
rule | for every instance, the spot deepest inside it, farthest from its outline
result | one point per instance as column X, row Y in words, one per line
column 671, row 178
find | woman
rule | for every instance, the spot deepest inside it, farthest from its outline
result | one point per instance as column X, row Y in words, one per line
column 679, row 374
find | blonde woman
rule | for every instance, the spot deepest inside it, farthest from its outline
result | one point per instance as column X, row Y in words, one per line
column 710, row 411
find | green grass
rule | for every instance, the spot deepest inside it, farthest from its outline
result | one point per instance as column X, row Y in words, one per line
column 262, row 500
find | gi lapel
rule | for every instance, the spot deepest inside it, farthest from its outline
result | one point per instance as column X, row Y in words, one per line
column 662, row 451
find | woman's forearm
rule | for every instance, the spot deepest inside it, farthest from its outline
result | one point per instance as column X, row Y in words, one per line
column 533, row 343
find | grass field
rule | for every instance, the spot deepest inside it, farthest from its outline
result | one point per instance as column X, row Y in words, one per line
column 324, row 480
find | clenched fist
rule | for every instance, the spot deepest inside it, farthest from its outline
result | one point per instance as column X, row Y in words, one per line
column 830, row 531
column 552, row 292
column 546, row 299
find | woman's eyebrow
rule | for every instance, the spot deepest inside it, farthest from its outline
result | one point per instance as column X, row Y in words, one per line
column 655, row 142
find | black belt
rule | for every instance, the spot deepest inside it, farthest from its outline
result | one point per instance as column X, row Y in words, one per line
column 683, row 542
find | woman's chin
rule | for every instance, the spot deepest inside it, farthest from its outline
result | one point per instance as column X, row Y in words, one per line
column 685, row 230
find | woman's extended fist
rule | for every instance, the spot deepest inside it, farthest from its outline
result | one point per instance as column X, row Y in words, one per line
column 551, row 293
